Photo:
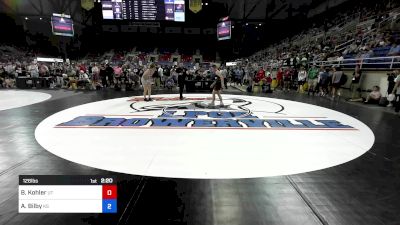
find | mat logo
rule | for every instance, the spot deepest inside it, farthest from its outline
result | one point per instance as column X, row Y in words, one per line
column 171, row 113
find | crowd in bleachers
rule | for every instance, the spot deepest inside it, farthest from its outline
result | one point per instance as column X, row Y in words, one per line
column 126, row 75
column 291, row 64
column 312, row 61
column 118, row 70
column 342, row 38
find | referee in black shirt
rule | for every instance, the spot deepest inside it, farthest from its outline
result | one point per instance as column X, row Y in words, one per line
column 181, row 80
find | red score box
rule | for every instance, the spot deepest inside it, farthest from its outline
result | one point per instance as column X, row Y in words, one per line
column 109, row 191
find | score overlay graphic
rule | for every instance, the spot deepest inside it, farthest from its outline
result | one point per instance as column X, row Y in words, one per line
column 67, row 194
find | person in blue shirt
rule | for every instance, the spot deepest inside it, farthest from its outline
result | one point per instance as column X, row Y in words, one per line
column 395, row 49
column 323, row 81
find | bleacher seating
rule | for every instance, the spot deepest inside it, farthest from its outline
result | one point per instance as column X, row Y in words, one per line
column 354, row 38
column 381, row 51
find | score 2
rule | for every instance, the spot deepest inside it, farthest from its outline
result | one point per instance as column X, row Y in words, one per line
column 109, row 198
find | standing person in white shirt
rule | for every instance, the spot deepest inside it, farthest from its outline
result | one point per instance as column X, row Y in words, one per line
column 336, row 78
column 95, row 76
column 161, row 75
column 301, row 77
column 83, row 79
column 10, row 69
column 34, row 70
column 224, row 73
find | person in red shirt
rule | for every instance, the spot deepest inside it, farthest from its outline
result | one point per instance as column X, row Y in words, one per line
column 267, row 83
column 279, row 78
column 268, row 79
column 287, row 78
column 117, row 70
column 117, row 74
column 82, row 67
column 260, row 76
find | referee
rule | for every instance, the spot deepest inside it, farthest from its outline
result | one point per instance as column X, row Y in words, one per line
column 181, row 80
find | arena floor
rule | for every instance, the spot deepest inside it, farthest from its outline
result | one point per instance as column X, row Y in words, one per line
column 362, row 191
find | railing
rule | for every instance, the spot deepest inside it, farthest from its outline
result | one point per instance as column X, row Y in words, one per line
column 366, row 23
column 353, row 22
column 343, row 45
column 392, row 62
column 391, row 18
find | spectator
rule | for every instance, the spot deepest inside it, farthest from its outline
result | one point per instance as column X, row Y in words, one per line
column 96, row 76
column 355, row 84
column 72, row 80
column 43, row 70
column 259, row 78
column 103, row 75
column 336, row 78
column 2, row 76
column 301, row 78
column 83, row 79
column 9, row 82
column 279, row 78
column 396, row 92
column 312, row 79
column 267, row 83
column 156, row 78
column 395, row 49
column 117, row 70
column 323, row 82
column 34, row 70
column 160, row 72
column 239, row 76
column 287, row 78
column 109, row 72
column 18, row 70
column 304, row 60
column 224, row 73
column 59, row 75
column 374, row 96
column 82, row 67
